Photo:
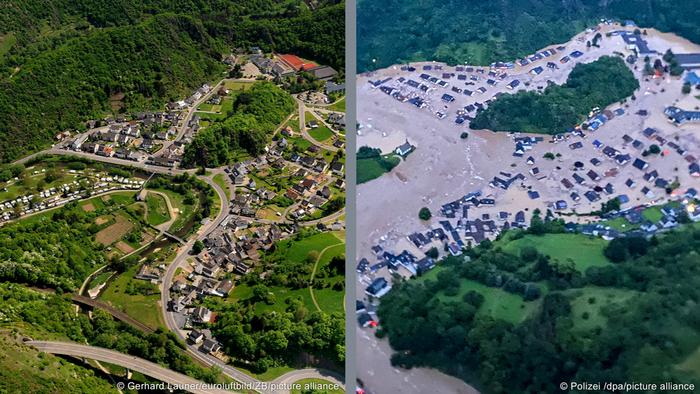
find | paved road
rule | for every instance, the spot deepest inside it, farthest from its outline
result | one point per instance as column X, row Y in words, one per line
column 89, row 278
column 317, row 111
column 309, row 373
column 204, row 98
column 183, row 128
column 305, row 133
column 111, row 160
column 325, row 220
column 63, row 203
column 181, row 257
column 131, row 362
column 171, row 323
column 179, row 261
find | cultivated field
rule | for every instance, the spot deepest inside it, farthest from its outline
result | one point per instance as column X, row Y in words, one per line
column 115, row 231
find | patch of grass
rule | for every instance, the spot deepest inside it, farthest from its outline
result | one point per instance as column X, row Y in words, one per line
column 143, row 308
column 691, row 364
column 653, row 214
column 620, row 224
column 240, row 155
column 208, row 116
column 272, row 373
column 243, row 292
column 6, row 43
column 226, row 105
column 298, row 250
column 338, row 105
column 185, row 210
column 590, row 302
column 269, row 212
column 205, row 107
column 371, row 168
column 264, row 182
column 123, row 198
column 157, row 209
column 35, row 179
column 301, row 143
column 100, row 278
column 498, row 303
column 97, row 203
column 216, row 205
column 313, row 385
column 238, row 85
column 220, row 180
column 321, row 133
column 329, row 300
column 581, row 250
column 293, row 123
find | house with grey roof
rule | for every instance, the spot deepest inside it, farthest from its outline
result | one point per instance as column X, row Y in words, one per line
column 679, row 116
column 404, row 149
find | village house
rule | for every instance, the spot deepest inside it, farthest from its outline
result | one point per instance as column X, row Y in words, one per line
column 404, row 149
column 680, row 117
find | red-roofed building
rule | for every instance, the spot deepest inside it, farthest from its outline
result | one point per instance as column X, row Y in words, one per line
column 296, row 62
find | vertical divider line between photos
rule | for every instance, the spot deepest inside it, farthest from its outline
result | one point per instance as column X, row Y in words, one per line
column 350, row 186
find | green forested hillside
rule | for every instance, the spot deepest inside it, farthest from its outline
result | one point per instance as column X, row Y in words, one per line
column 558, row 108
column 59, row 87
column 521, row 320
column 480, row 32
column 61, row 61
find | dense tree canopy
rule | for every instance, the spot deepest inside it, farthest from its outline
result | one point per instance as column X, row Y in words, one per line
column 269, row 338
column 643, row 335
column 56, row 253
column 256, row 114
column 558, row 108
column 480, row 32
